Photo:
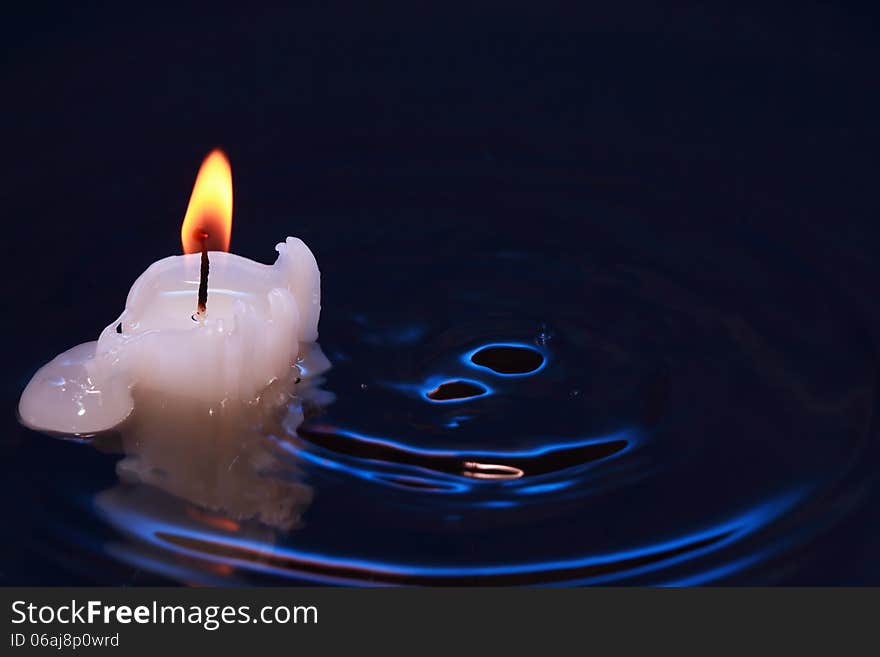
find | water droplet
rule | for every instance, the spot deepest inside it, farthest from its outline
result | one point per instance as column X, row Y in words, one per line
column 544, row 336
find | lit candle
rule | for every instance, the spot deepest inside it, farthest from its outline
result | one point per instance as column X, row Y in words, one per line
column 216, row 458
column 208, row 325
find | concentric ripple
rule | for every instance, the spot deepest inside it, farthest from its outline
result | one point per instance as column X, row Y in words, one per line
column 645, row 408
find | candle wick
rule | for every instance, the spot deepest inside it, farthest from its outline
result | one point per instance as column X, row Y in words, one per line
column 203, row 281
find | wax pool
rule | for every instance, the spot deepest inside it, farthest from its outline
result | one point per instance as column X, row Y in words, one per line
column 257, row 315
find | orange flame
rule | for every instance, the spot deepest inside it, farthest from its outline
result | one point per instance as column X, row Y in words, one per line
column 209, row 213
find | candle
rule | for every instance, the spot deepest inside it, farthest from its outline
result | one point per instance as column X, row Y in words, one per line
column 207, row 325
column 225, row 465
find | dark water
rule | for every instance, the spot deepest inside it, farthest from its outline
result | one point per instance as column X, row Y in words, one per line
column 615, row 332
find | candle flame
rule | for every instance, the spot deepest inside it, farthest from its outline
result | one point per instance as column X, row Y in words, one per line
column 209, row 213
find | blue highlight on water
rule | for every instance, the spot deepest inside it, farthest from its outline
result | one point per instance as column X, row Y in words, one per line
column 411, row 471
column 183, row 537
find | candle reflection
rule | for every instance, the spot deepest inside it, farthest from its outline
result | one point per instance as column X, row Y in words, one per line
column 189, row 463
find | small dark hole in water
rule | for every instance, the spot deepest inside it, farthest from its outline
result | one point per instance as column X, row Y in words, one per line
column 508, row 359
column 456, row 390
column 119, row 328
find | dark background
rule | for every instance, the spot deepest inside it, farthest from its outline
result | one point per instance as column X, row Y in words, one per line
column 704, row 117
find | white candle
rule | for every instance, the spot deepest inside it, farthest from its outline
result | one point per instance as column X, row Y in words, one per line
column 256, row 317
column 216, row 458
